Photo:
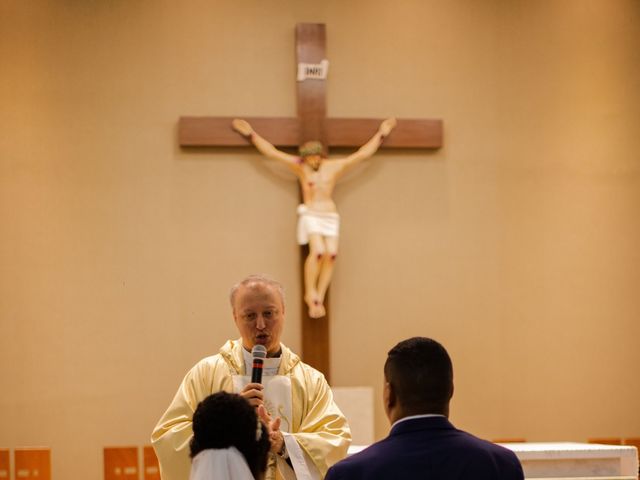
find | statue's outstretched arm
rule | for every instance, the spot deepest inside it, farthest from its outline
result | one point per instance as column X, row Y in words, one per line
column 371, row 147
column 267, row 149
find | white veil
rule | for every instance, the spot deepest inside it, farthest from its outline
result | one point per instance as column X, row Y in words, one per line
column 220, row 464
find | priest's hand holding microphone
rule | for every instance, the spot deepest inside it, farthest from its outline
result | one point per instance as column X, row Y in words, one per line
column 253, row 393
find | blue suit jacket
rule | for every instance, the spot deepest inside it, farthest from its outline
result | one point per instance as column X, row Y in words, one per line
column 429, row 448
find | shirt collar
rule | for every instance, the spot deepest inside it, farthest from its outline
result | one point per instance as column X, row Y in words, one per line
column 413, row 417
column 270, row 365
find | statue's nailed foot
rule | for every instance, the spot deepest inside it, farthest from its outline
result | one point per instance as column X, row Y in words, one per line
column 316, row 308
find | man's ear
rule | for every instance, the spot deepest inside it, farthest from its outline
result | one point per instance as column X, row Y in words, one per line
column 388, row 397
column 393, row 399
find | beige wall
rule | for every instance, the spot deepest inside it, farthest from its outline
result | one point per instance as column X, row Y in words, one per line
column 516, row 244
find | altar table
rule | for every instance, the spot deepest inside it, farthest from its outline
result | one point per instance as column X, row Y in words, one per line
column 571, row 461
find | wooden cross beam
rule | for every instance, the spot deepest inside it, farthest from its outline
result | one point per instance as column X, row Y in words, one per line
column 310, row 124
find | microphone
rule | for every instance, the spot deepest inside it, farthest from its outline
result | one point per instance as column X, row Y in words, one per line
column 259, row 353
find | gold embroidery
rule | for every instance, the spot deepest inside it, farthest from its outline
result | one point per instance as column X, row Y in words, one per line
column 286, row 422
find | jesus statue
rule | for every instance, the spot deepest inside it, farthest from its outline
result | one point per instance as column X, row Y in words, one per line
column 318, row 219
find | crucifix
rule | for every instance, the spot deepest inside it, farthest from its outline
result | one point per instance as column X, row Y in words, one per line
column 311, row 124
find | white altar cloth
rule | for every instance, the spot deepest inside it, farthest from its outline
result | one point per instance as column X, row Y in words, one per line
column 576, row 460
column 566, row 460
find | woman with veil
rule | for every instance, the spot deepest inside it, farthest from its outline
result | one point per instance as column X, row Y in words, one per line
column 229, row 441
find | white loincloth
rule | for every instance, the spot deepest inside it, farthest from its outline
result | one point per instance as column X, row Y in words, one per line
column 326, row 224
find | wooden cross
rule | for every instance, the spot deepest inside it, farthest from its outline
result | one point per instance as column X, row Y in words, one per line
column 310, row 124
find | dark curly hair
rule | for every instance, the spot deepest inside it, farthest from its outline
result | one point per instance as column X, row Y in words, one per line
column 225, row 420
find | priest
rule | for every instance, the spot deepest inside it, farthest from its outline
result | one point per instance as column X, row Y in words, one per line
column 308, row 432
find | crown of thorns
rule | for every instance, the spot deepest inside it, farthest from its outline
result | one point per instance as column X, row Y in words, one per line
column 310, row 148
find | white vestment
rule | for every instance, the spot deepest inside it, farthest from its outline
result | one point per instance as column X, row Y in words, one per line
column 316, row 433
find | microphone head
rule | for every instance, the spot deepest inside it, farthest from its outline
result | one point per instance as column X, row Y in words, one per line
column 259, row 351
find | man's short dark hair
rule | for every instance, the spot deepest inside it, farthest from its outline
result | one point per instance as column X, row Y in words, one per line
column 420, row 373
column 224, row 420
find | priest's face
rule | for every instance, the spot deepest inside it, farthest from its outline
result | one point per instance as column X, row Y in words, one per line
column 258, row 311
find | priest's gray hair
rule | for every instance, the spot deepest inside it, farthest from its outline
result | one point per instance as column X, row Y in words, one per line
column 256, row 278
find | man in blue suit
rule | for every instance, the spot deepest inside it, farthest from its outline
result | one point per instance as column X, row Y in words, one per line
column 423, row 444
